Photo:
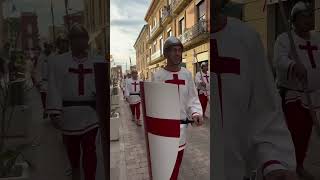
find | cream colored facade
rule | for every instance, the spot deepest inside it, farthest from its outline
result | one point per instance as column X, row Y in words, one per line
column 1, row 25
column 185, row 19
column 142, row 52
column 95, row 14
column 268, row 23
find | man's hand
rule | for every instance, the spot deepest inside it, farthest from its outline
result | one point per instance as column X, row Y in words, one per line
column 299, row 72
column 281, row 175
column 198, row 120
column 56, row 120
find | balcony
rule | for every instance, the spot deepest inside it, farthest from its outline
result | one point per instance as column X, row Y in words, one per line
column 166, row 15
column 178, row 5
column 156, row 57
column 197, row 33
column 156, row 30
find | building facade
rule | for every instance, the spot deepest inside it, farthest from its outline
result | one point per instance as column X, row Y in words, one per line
column 58, row 30
column 29, row 31
column 95, row 20
column 184, row 19
column 141, row 47
column 74, row 18
column 267, row 21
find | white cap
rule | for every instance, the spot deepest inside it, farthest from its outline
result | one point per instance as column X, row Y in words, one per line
column 78, row 29
column 299, row 7
column 204, row 64
column 171, row 41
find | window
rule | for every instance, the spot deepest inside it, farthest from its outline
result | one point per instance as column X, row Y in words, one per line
column 161, row 13
column 169, row 33
column 154, row 47
column 169, row 2
column 161, row 45
column 30, row 43
column 154, row 21
column 201, row 10
column 181, row 26
column 29, row 29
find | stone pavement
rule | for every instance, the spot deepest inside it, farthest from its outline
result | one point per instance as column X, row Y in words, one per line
column 49, row 158
column 128, row 155
column 312, row 161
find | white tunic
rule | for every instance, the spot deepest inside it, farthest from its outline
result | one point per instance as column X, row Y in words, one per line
column 189, row 100
column 132, row 91
column 309, row 54
column 249, row 129
column 203, row 77
column 71, row 80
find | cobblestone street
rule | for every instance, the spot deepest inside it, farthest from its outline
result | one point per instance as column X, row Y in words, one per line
column 128, row 155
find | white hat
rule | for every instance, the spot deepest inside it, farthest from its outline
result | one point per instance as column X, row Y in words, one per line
column 171, row 41
column 204, row 64
column 299, row 7
column 78, row 29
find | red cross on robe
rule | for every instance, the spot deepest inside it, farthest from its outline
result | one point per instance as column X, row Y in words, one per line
column 81, row 71
column 221, row 65
column 135, row 86
column 207, row 78
column 309, row 48
column 176, row 81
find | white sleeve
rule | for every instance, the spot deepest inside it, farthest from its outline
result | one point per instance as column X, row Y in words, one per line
column 126, row 91
column 197, row 80
column 281, row 61
column 271, row 138
column 54, row 101
column 194, row 106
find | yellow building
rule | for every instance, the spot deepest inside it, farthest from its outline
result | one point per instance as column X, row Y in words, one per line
column 95, row 17
column 142, row 53
column 185, row 19
column 269, row 23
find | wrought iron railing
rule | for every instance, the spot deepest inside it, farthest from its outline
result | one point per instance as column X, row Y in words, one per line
column 200, row 27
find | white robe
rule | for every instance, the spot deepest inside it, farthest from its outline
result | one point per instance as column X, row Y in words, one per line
column 130, row 91
column 63, row 85
column 42, row 69
column 189, row 100
column 249, row 128
column 201, row 77
column 283, row 64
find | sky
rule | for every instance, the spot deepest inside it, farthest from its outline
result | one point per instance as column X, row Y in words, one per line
column 126, row 22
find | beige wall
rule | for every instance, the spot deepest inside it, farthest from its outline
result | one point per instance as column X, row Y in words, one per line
column 317, row 14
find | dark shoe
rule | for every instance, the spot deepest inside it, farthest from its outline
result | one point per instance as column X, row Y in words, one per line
column 304, row 174
column 139, row 122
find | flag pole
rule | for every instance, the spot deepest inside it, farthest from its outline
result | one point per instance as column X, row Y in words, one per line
column 53, row 25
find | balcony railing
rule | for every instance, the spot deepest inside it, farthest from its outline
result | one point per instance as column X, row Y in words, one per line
column 166, row 14
column 194, row 31
column 177, row 5
column 155, row 55
column 154, row 29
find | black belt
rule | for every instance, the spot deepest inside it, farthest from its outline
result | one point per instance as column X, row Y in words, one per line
column 134, row 94
column 187, row 121
column 79, row 103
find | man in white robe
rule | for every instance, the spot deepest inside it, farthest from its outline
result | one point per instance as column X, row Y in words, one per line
column 132, row 94
column 71, row 102
column 291, row 75
column 248, row 125
column 189, row 101
column 202, row 80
